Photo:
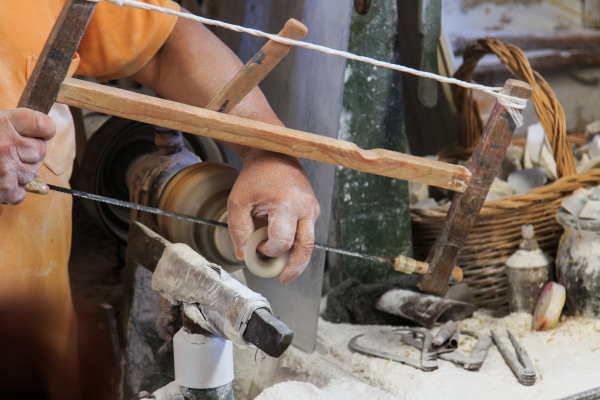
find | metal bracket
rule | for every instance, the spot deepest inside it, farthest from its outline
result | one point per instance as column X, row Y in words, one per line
column 473, row 361
column 428, row 361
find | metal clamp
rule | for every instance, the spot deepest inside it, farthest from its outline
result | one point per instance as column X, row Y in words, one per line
column 473, row 361
column 422, row 339
column 519, row 362
column 428, row 361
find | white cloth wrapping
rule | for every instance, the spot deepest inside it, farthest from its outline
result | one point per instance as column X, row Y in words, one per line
column 211, row 297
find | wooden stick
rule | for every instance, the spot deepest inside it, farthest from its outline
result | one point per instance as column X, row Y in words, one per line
column 484, row 165
column 257, row 68
column 233, row 129
column 549, row 59
column 557, row 40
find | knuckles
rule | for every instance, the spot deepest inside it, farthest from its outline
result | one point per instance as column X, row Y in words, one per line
column 11, row 195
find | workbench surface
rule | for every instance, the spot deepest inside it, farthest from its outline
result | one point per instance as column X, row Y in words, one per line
column 567, row 361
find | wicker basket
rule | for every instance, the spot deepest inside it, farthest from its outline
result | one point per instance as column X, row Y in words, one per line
column 496, row 234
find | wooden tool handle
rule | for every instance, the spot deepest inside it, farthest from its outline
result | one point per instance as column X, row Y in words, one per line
column 411, row 266
column 54, row 62
column 484, row 165
column 257, row 68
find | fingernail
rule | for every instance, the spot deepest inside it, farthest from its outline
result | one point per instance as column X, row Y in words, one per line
column 239, row 254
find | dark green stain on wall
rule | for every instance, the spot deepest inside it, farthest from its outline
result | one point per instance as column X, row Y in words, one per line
column 372, row 212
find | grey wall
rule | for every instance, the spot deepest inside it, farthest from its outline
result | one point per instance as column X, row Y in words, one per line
column 305, row 91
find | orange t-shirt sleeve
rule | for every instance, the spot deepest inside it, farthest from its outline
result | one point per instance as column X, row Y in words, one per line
column 119, row 41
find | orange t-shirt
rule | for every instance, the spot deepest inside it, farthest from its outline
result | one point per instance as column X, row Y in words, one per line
column 117, row 43
column 35, row 235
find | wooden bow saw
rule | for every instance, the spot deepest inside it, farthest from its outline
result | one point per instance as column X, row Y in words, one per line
column 471, row 183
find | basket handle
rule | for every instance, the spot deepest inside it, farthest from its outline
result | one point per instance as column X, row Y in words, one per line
column 548, row 109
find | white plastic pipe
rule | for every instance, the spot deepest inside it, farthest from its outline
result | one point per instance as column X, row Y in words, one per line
column 202, row 362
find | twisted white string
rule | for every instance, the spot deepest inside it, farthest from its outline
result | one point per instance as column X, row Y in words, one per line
column 511, row 103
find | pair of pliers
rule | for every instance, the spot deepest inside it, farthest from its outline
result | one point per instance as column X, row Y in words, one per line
column 519, row 362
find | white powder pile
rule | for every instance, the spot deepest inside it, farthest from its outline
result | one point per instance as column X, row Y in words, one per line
column 567, row 361
column 335, row 390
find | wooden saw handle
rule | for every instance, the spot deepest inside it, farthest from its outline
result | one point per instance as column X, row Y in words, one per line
column 53, row 65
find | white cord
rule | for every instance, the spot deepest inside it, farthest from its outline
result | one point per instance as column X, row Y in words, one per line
column 511, row 103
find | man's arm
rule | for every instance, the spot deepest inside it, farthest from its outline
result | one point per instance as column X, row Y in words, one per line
column 192, row 67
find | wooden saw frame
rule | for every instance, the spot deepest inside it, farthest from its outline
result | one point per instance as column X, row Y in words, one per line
column 471, row 182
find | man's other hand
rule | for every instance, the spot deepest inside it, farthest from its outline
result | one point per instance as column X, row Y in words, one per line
column 23, row 136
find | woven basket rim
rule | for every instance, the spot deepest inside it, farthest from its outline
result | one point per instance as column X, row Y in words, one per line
column 547, row 107
column 540, row 194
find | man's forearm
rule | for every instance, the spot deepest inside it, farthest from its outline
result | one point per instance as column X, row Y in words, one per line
column 193, row 66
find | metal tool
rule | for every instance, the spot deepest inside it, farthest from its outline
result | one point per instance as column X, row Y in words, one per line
column 427, row 362
column 519, row 361
column 446, row 338
column 475, row 359
column 592, row 394
column 472, row 362
column 422, row 308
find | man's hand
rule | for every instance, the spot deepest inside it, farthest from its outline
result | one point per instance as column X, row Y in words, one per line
column 274, row 187
column 23, row 136
column 192, row 67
